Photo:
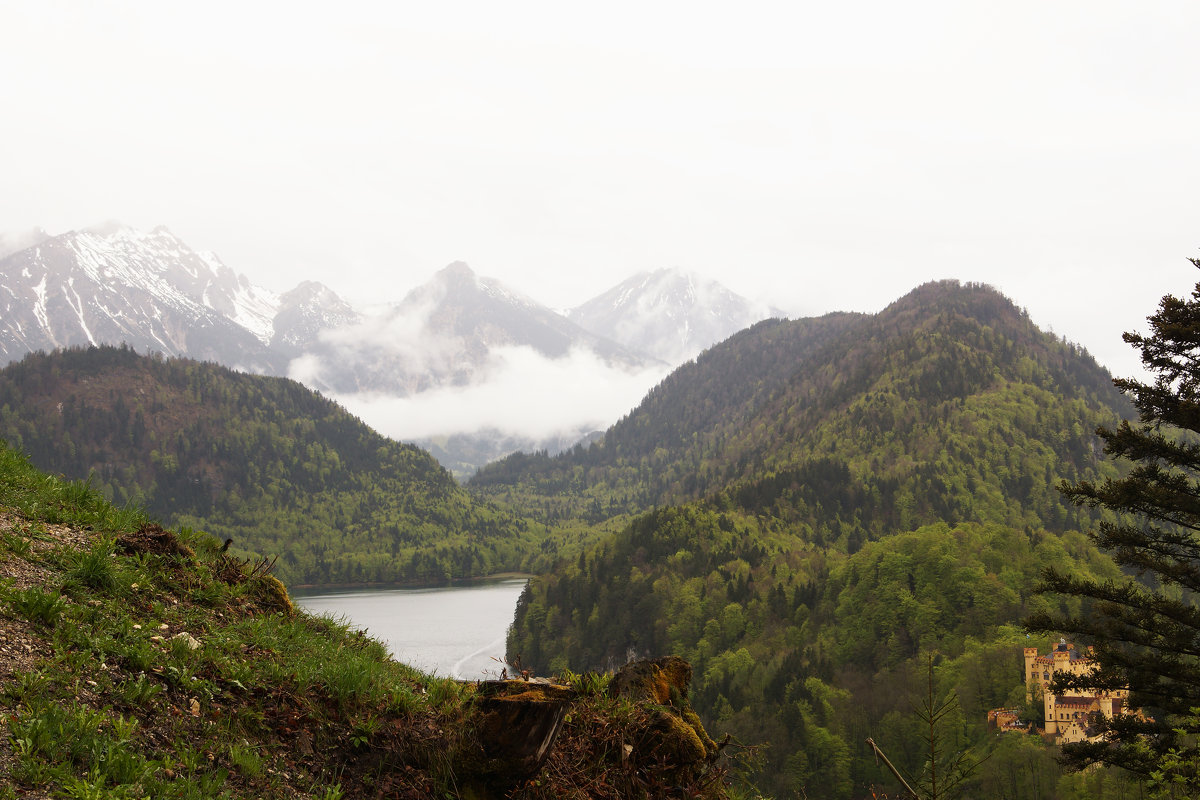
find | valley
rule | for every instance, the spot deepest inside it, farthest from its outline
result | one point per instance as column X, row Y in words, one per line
column 540, row 401
column 808, row 512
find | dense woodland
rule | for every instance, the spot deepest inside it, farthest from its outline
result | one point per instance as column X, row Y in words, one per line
column 879, row 491
column 949, row 383
column 808, row 648
column 264, row 461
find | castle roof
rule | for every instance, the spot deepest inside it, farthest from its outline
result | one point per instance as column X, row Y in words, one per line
column 1077, row 702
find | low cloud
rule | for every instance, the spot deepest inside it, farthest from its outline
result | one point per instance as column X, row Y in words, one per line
column 392, row 340
column 524, row 394
column 402, row 332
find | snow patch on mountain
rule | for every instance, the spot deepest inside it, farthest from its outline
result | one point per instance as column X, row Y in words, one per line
column 39, row 308
column 669, row 313
column 112, row 284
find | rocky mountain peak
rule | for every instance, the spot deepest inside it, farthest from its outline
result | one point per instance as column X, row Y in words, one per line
column 457, row 270
column 670, row 313
column 304, row 312
column 308, row 291
column 110, row 283
column 107, row 229
column 13, row 241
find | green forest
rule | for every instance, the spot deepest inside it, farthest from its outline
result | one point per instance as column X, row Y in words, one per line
column 949, row 381
column 825, row 505
column 264, row 461
column 810, row 649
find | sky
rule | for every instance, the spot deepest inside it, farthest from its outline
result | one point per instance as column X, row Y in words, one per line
column 821, row 156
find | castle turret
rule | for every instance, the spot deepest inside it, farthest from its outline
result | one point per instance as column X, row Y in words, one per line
column 1031, row 675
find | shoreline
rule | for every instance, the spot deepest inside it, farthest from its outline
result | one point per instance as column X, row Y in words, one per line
column 313, row 588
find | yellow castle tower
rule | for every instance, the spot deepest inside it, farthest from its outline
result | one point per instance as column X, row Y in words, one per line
column 1066, row 716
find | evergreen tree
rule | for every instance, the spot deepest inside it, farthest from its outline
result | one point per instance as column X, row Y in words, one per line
column 1145, row 628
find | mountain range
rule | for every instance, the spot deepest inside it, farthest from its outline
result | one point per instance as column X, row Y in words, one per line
column 111, row 284
column 815, row 513
column 442, row 334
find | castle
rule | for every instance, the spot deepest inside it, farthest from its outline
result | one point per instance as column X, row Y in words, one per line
column 1066, row 716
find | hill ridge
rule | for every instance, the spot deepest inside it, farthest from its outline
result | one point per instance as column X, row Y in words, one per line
column 780, row 392
column 259, row 459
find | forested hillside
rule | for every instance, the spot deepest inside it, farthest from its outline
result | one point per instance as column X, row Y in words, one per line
column 949, row 397
column 837, row 501
column 262, row 460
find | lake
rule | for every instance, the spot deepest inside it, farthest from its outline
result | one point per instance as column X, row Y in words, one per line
column 453, row 631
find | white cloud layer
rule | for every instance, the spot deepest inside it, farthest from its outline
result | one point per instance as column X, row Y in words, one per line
column 401, row 337
column 526, row 394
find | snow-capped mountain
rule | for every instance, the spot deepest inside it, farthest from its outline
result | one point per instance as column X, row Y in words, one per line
column 499, row 370
column 670, row 314
column 304, row 312
column 112, row 284
column 484, row 312
column 446, row 332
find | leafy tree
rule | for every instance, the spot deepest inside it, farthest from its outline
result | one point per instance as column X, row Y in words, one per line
column 1145, row 627
column 947, row 768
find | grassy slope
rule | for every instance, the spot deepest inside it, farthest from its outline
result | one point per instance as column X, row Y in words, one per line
column 139, row 662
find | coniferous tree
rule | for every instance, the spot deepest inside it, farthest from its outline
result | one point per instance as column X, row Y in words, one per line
column 1145, row 628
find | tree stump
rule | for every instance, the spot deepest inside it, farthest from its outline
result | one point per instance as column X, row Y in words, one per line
column 516, row 723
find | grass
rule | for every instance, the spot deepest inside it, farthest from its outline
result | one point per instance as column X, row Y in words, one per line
column 44, row 497
column 122, row 672
column 18, row 545
column 169, row 669
column 96, row 569
column 138, row 691
column 35, row 604
column 188, row 649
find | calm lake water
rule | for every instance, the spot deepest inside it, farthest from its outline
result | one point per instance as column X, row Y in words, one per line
column 453, row 631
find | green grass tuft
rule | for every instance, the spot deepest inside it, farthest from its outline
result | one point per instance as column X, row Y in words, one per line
column 139, row 692
column 36, row 604
column 14, row 543
column 96, row 568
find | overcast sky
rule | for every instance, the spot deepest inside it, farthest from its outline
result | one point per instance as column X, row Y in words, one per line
column 825, row 156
